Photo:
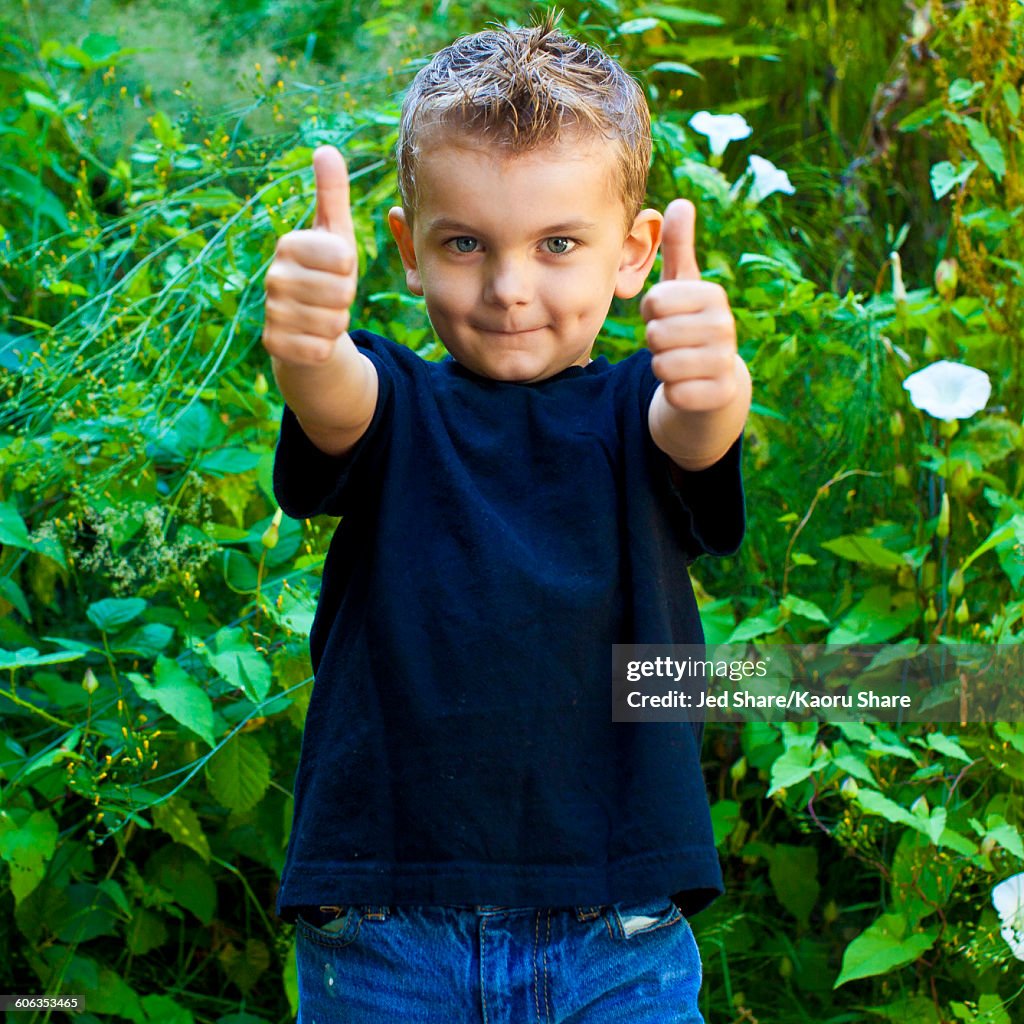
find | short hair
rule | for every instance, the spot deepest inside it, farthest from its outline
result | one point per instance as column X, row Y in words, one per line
column 523, row 88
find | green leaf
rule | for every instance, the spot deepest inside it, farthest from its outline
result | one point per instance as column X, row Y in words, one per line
column 794, row 877
column 945, row 176
column 882, row 947
column 987, row 146
column 638, row 25
column 178, row 819
column 949, row 746
column 234, row 659
column 13, row 531
column 114, row 612
column 807, row 609
column 961, row 90
column 757, row 625
column 178, row 696
column 1012, row 99
column 681, row 15
column 674, row 67
column 27, row 842
column 239, row 774
column 864, row 550
column 13, row 594
column 790, row 768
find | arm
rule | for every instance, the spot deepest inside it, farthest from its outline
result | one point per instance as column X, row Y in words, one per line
column 327, row 382
column 696, row 440
column 701, row 405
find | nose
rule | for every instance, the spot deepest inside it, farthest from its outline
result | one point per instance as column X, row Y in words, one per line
column 508, row 283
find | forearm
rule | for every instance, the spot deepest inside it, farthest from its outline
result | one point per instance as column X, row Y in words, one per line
column 333, row 401
column 696, row 440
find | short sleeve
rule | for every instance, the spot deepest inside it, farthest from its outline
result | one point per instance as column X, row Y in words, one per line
column 309, row 482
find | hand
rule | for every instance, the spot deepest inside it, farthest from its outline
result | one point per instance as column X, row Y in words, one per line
column 690, row 327
column 311, row 282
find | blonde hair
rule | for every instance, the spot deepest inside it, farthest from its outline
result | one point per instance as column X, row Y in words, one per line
column 523, row 88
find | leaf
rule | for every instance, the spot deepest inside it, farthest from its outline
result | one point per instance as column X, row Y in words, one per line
column 682, row 15
column 882, row 947
column 27, row 847
column 864, row 550
column 790, row 768
column 235, row 660
column 178, row 696
column 638, row 25
column 13, row 531
column 239, row 774
column 987, row 146
column 949, row 746
column 945, row 176
column 674, row 67
column 794, row 877
column 178, row 819
column 757, row 625
column 806, row 609
column 113, row 612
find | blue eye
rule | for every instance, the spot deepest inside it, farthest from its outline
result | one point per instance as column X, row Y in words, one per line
column 464, row 243
column 560, row 246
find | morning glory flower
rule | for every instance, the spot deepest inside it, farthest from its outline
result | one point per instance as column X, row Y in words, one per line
column 949, row 391
column 767, row 179
column 1008, row 899
column 721, row 129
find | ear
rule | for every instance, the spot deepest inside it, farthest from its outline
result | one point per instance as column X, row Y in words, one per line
column 639, row 248
column 402, row 230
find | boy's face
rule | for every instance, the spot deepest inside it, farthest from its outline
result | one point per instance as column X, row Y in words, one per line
column 518, row 257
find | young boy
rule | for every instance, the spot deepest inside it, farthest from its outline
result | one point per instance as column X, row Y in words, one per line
column 473, row 837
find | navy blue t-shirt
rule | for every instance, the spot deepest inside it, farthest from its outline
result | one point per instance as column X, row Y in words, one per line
column 495, row 540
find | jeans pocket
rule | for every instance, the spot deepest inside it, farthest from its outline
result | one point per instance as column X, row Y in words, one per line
column 335, row 933
column 634, row 918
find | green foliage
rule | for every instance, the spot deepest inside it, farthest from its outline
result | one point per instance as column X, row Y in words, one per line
column 154, row 667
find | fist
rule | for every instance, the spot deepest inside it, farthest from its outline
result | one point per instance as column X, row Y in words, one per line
column 311, row 282
column 690, row 327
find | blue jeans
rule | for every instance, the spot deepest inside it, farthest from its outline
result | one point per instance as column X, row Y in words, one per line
column 624, row 963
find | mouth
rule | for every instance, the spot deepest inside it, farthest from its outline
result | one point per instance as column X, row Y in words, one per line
column 510, row 333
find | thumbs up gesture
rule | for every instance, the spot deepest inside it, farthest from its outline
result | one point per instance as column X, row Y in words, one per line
column 690, row 327
column 311, row 282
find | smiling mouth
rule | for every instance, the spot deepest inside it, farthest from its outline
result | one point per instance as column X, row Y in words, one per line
column 526, row 330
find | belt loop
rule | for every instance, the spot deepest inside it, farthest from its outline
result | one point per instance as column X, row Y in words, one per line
column 377, row 913
column 587, row 913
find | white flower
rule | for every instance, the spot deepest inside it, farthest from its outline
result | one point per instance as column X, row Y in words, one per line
column 1008, row 899
column 949, row 391
column 767, row 179
column 721, row 129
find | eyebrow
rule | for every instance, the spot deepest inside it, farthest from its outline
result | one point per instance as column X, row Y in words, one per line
column 567, row 227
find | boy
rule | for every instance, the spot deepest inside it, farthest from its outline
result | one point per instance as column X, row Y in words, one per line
column 473, row 837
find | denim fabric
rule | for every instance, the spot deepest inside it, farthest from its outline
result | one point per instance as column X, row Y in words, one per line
column 634, row 962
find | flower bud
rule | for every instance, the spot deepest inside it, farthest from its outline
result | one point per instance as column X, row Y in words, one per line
column 928, row 576
column 905, row 577
column 955, row 586
column 942, row 527
column 785, row 967
column 849, row 789
column 960, row 482
column 899, row 291
column 920, row 807
column 90, row 683
column 270, row 534
column 821, row 750
column 901, row 476
column 946, row 278
column 930, row 349
column 260, row 385
column 738, row 769
column 931, row 616
column 963, row 614
column 830, row 912
column 896, row 427
column 948, row 428
column 988, row 844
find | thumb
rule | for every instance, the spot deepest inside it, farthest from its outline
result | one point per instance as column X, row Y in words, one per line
column 332, row 200
column 678, row 234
